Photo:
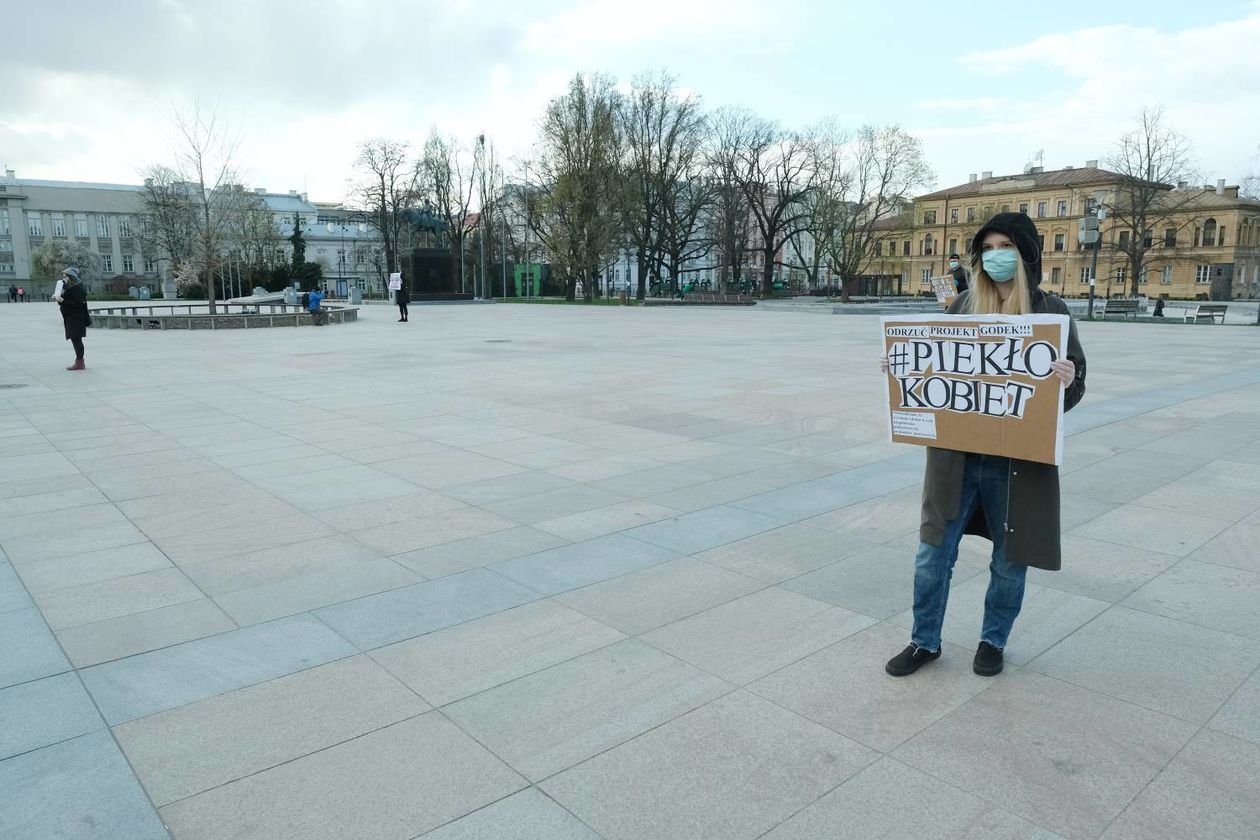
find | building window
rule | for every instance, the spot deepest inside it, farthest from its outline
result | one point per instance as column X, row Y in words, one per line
column 6, row 268
column 107, row 263
column 4, row 222
column 1166, row 276
column 129, row 264
column 1062, row 209
column 953, row 216
column 1041, row 243
column 279, row 255
column 124, row 228
column 879, row 249
column 1203, row 274
column 80, row 227
column 925, row 277
column 1221, row 240
column 1123, row 244
column 1056, row 275
column 58, row 225
column 34, row 225
column 150, row 265
column 1086, row 274
column 971, row 214
column 1041, row 209
column 953, row 246
column 1023, row 207
column 929, row 217
column 1170, row 238
column 929, row 245
column 1060, row 241
column 1006, row 208
column 1209, row 233
column 102, row 227
column 1121, row 273
column 905, row 248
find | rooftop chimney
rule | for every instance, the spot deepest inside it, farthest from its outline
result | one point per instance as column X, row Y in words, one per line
column 971, row 179
column 1069, row 167
column 1036, row 170
column 1220, row 187
column 10, row 175
column 304, row 196
column 1181, row 185
column 260, row 190
column 1028, row 167
column 988, row 174
column 293, row 192
column 1091, row 164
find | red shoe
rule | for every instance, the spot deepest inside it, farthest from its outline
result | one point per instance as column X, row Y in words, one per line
column 78, row 365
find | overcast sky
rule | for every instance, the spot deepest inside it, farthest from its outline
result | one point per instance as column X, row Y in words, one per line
column 90, row 86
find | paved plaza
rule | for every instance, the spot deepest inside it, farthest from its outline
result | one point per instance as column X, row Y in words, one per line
column 570, row 573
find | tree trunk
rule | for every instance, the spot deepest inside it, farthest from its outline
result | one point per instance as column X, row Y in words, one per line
column 767, row 272
column 641, row 285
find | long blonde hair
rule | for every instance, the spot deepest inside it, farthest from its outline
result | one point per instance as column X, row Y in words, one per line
column 985, row 299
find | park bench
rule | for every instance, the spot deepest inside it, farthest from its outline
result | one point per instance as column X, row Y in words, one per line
column 1122, row 307
column 1208, row 312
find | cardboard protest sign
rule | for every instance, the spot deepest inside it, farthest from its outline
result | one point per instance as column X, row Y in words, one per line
column 977, row 383
column 945, row 289
column 395, row 281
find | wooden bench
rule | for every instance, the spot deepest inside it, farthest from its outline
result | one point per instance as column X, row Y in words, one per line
column 1208, row 312
column 1122, row 307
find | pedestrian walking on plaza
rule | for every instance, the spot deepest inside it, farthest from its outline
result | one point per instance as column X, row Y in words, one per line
column 74, row 314
column 21, row 294
column 1013, row 503
column 402, row 298
column 960, row 273
column 12, row 293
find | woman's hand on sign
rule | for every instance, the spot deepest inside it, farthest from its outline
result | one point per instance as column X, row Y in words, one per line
column 883, row 364
column 1065, row 369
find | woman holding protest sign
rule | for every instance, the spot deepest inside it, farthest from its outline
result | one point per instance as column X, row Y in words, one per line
column 1013, row 503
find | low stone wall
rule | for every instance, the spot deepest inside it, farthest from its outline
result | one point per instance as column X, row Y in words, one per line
column 199, row 318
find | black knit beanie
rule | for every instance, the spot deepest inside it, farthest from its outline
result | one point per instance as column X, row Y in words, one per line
column 1023, row 233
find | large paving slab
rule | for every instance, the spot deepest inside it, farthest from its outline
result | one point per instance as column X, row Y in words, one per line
column 526, row 572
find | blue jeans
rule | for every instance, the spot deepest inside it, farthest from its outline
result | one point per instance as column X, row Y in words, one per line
column 985, row 479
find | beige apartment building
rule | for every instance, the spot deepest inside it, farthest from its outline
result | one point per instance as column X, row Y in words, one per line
column 1208, row 249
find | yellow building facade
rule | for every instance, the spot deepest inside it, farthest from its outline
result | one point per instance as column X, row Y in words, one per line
column 1209, row 248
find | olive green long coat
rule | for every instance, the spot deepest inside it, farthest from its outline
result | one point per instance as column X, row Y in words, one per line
column 1032, row 518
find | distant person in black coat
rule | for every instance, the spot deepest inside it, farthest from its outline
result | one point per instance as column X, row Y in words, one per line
column 960, row 273
column 74, row 314
column 402, row 298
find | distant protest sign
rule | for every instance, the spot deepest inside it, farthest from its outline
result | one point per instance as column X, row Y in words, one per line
column 977, row 383
column 945, row 289
column 395, row 281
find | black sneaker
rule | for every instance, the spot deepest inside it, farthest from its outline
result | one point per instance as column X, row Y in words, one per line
column 910, row 660
column 988, row 661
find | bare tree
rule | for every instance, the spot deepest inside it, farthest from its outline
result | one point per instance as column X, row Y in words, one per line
column 774, row 171
column 884, row 168
column 206, row 177
column 448, row 181
column 386, row 191
column 577, row 180
column 663, row 133
column 168, row 220
column 728, row 219
column 1150, row 159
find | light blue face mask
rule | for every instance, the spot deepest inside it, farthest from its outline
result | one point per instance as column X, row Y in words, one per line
column 1000, row 264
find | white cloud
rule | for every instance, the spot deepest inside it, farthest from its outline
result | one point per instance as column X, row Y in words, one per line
column 1207, row 78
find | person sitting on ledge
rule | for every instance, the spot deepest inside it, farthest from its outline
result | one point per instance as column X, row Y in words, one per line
column 318, row 316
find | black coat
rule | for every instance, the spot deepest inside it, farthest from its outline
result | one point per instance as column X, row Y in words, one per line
column 960, row 279
column 74, row 311
column 1032, row 527
column 401, row 296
